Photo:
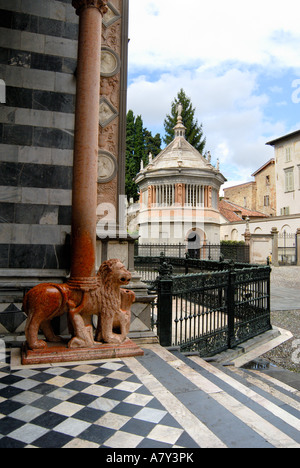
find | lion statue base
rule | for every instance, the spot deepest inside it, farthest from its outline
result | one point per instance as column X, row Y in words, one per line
column 105, row 298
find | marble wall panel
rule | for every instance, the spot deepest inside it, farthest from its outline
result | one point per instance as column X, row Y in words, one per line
column 38, row 59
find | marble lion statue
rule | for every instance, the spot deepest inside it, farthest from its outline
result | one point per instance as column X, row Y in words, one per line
column 114, row 315
column 107, row 300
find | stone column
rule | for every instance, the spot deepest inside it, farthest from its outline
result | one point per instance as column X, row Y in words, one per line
column 247, row 236
column 79, row 296
column 85, row 166
column 298, row 246
column 205, row 197
column 274, row 233
column 209, row 201
column 247, row 233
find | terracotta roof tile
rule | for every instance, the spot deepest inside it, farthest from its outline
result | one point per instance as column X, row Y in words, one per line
column 233, row 212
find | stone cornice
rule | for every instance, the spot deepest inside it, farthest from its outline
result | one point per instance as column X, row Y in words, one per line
column 101, row 5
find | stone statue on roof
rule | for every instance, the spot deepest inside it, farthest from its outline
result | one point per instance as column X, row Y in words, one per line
column 179, row 109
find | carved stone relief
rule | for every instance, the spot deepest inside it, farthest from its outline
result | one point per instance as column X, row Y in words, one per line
column 107, row 167
column 109, row 118
column 107, row 112
column 110, row 62
column 111, row 16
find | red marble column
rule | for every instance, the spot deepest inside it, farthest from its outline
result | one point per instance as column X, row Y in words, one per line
column 84, row 202
column 79, row 296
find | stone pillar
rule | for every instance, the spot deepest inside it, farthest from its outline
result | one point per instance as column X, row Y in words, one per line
column 179, row 194
column 85, row 166
column 274, row 233
column 150, row 196
column 209, row 201
column 205, row 197
column 247, row 236
column 298, row 246
column 80, row 295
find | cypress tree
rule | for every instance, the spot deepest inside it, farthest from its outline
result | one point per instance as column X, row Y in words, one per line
column 130, row 172
column 152, row 145
column 139, row 143
column 194, row 131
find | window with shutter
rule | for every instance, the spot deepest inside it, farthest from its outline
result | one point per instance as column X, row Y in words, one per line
column 289, row 180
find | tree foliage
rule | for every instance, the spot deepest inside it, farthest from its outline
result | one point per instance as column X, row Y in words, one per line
column 194, row 131
column 139, row 143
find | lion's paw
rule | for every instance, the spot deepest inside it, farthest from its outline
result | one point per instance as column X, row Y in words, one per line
column 40, row 344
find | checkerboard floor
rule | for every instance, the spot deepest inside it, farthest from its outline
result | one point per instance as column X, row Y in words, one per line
column 86, row 405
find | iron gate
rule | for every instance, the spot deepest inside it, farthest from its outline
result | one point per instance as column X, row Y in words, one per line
column 287, row 248
column 211, row 312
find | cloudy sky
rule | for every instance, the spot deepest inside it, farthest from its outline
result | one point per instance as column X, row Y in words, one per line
column 238, row 61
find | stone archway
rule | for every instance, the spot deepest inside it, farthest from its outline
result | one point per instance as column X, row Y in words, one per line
column 196, row 239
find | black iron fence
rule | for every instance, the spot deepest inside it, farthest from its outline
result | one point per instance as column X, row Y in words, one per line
column 149, row 267
column 211, row 311
column 287, row 248
column 236, row 252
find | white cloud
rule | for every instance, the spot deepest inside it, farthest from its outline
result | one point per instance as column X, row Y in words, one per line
column 216, row 51
column 226, row 104
column 171, row 33
column 210, row 92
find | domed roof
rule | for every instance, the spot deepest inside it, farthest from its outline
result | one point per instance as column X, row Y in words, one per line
column 179, row 153
column 179, row 156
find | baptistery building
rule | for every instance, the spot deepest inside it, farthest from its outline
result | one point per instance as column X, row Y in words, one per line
column 179, row 195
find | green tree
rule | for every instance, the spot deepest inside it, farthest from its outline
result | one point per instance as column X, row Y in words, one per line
column 130, row 172
column 139, row 143
column 194, row 131
column 152, row 145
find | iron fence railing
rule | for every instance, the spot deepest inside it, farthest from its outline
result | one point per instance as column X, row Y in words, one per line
column 148, row 267
column 210, row 311
column 212, row 252
column 287, row 248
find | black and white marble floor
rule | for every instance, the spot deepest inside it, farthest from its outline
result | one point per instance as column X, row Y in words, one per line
column 162, row 400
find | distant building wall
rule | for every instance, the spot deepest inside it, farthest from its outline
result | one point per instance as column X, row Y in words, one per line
column 259, row 195
column 260, row 230
column 243, row 195
column 266, row 189
column 287, row 155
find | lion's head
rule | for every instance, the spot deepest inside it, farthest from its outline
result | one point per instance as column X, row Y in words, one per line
column 113, row 271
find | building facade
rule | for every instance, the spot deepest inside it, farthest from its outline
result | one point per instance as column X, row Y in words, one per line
column 258, row 195
column 287, row 157
column 179, row 193
column 38, row 63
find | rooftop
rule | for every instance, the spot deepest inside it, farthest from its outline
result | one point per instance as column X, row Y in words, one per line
column 271, row 161
column 289, row 136
column 180, row 156
column 233, row 212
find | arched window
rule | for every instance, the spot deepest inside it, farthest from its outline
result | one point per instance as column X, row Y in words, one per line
column 234, row 235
